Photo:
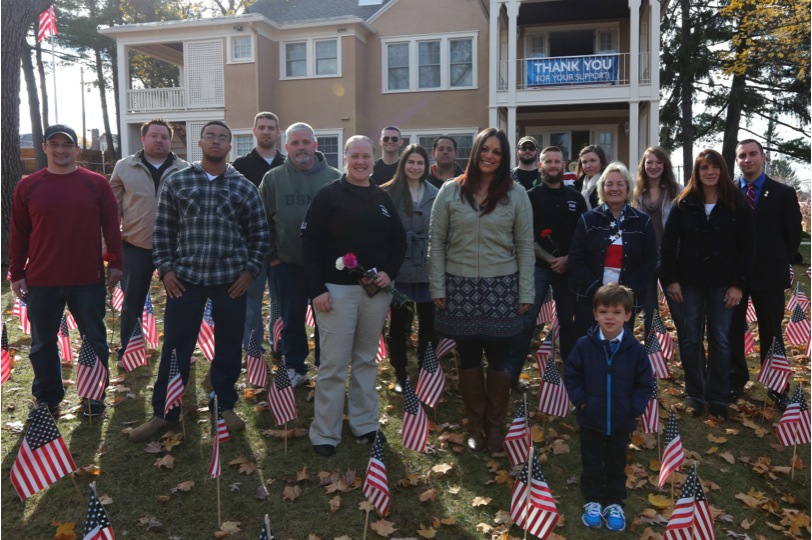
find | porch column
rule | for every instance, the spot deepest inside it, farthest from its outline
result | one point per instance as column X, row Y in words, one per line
column 493, row 59
column 513, row 15
column 634, row 81
column 654, row 69
column 123, row 85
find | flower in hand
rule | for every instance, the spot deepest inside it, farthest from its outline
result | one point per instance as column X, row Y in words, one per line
column 546, row 233
column 350, row 262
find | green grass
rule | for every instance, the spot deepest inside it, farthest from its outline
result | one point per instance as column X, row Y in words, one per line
column 127, row 475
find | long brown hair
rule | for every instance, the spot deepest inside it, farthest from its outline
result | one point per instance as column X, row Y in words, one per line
column 470, row 180
column 598, row 151
column 398, row 186
column 667, row 181
column 727, row 193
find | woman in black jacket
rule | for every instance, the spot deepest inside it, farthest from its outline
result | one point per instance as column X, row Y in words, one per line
column 707, row 252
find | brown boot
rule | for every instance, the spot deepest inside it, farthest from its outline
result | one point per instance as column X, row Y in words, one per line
column 472, row 386
column 498, row 396
column 147, row 430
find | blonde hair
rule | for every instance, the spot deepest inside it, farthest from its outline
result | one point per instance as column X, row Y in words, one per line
column 616, row 167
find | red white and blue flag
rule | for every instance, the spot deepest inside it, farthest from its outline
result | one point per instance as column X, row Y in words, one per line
column 310, row 319
column 798, row 297
column 135, row 355
column 91, row 376
column 750, row 315
column 415, row 421
column 97, row 526
column 547, row 311
column 673, row 455
column 148, row 324
column 276, row 326
column 71, row 321
column 63, row 340
column 257, row 370
column 775, row 371
column 205, row 338
column 650, row 419
column 175, row 387
column 20, row 309
column 532, row 506
column 382, row 353
column 118, row 298
column 655, row 355
column 517, row 440
column 749, row 340
column 376, row 485
column 666, row 342
column 47, row 24
column 445, row 346
column 553, row 397
column 5, row 358
column 431, row 381
column 280, row 396
column 793, row 428
column 797, row 332
column 691, row 518
column 545, row 350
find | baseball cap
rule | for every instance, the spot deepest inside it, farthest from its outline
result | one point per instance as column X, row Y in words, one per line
column 530, row 140
column 60, row 128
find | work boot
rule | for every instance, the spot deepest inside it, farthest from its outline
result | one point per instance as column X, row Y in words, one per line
column 472, row 386
column 233, row 422
column 498, row 395
column 147, row 430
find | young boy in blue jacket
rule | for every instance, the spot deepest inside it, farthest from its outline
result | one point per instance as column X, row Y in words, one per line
column 609, row 381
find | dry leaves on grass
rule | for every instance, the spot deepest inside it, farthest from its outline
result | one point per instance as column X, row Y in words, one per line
column 89, row 470
column 335, row 504
column 167, row 461
column 426, row 532
column 383, row 527
column 227, row 528
column 244, row 465
column 149, row 522
column 291, row 493
column 428, row 495
column 481, row 501
column 442, row 468
column 183, row 486
column 64, row 531
column 659, row 501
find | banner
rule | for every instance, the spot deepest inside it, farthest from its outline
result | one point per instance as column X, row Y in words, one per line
column 595, row 69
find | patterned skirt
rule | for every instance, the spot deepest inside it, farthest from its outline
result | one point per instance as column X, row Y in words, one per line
column 480, row 308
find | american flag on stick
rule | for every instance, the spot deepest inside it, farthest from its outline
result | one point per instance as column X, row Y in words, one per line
column 47, row 24
column 63, row 340
column 382, row 353
column 276, row 326
column 71, row 321
column 797, row 332
column 257, row 372
column 555, row 326
column 532, row 506
column 650, row 419
column 666, row 342
column 750, row 314
column 798, row 297
column 175, row 387
column 118, row 298
column 135, row 355
column 267, row 532
column 148, row 324
column 91, row 375
column 545, row 350
column 547, row 311
column 517, row 440
column 376, row 485
column 415, row 421
column 280, row 396
column 20, row 309
column 431, row 381
column 553, row 397
column 673, row 455
column 749, row 340
column 655, row 355
column 793, row 428
column 661, row 292
column 5, row 357
column 691, row 518
column 775, row 371
column 97, row 526
column 43, row 457
column 205, row 338
column 310, row 319
column 445, row 346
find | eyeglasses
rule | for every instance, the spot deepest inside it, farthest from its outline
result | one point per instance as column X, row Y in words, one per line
column 387, row 138
column 527, row 147
column 209, row 137
column 57, row 146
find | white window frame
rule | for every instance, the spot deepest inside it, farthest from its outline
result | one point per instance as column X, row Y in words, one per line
column 544, row 32
column 231, row 42
column 412, row 136
column 310, row 58
column 445, row 62
column 542, row 133
column 339, row 134
column 234, row 154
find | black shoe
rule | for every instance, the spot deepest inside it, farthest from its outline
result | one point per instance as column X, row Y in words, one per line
column 399, row 385
column 735, row 393
column 695, row 405
column 324, row 450
column 96, row 408
column 781, row 400
column 520, row 385
column 718, row 409
column 370, row 437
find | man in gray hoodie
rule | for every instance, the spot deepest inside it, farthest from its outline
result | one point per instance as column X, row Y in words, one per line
column 286, row 192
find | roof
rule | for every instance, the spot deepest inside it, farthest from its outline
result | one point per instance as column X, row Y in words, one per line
column 284, row 12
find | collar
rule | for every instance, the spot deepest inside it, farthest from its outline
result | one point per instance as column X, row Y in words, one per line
column 758, row 182
column 619, row 337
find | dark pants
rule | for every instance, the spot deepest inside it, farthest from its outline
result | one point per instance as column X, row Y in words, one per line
column 253, row 307
column 470, row 351
column 603, row 458
column 46, row 305
column 400, row 329
column 182, row 320
column 135, row 283
column 769, row 307
column 650, row 307
column 290, row 290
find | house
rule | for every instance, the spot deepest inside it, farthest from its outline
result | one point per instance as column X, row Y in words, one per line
column 570, row 73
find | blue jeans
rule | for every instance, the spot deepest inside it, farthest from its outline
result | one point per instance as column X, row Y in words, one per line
column 135, row 283
column 290, row 290
column 46, row 305
column 182, row 320
column 253, row 307
column 703, row 382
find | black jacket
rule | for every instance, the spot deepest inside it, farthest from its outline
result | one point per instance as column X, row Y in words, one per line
column 253, row 166
column 557, row 210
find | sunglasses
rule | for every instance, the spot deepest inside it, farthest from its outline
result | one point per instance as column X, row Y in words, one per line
column 526, row 147
column 387, row 138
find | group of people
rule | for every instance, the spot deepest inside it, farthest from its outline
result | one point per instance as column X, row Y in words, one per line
column 476, row 250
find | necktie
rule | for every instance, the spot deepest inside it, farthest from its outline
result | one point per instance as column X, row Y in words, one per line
column 750, row 194
column 613, row 345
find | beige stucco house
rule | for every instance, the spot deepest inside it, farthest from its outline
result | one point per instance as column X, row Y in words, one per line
column 569, row 72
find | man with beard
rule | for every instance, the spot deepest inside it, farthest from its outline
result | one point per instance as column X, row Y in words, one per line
column 253, row 165
column 286, row 194
column 444, row 153
column 556, row 209
column 209, row 242
column 527, row 172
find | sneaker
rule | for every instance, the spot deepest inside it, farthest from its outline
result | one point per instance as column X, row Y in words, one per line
column 615, row 518
column 94, row 408
column 592, row 515
column 145, row 431
column 296, row 379
column 233, row 422
column 324, row 450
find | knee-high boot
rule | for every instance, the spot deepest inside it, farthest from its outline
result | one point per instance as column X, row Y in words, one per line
column 498, row 395
column 472, row 385
column 397, row 357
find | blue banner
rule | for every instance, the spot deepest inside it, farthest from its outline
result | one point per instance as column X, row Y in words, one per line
column 596, row 69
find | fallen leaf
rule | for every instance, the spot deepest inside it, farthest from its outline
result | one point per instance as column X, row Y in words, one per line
column 442, row 468
column 453, row 489
column 335, row 504
column 727, row 456
column 186, row 486
column 149, row 522
column 428, row 495
column 383, row 527
column 426, row 532
column 303, row 475
column 560, row 447
column 154, row 447
column 164, row 498
column 648, row 534
column 64, row 531
column 106, row 499
column 746, row 524
column 365, row 506
column 659, row 501
column 167, row 461
column 448, row 521
column 261, row 494
column 481, row 501
column 502, row 477
column 235, row 486
column 227, row 528
column 90, row 470
column 291, row 493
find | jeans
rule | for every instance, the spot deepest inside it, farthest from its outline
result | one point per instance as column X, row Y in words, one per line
column 46, row 305
column 290, row 290
column 703, row 382
column 182, row 320
column 400, row 328
column 564, row 307
column 135, row 283
column 253, row 307
column 603, row 458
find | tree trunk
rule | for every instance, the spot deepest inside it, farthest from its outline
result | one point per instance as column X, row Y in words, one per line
column 33, row 109
column 686, row 98
column 732, row 120
column 43, row 85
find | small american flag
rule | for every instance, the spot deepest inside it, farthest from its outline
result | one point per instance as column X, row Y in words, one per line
column 532, row 506
column 20, row 309
column 175, row 387
column 553, row 396
column 205, row 338
column 118, row 297
column 797, row 332
column 43, row 457
column 750, row 316
column 310, row 319
column 775, row 371
column 793, row 428
column 749, row 341
column 280, row 397
column 376, row 485
column 798, row 297
column 97, row 526
column 655, row 355
column 445, row 346
column 47, row 24
column 650, row 420
column 91, row 376
column 544, row 351
column 382, row 353
column 691, row 518
column 791, row 275
column 415, row 421
column 517, row 440
column 257, row 372
column 63, row 339
column 673, row 455
column 214, row 465
column 135, row 355
column 5, row 359
column 666, row 342
column 220, row 429
column 547, row 311
column 71, row 321
column 555, row 326
column 431, row 381
column 276, row 326
column 148, row 324
column 661, row 293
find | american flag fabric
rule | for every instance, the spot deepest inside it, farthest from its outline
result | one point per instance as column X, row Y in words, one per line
column 793, row 428
column 91, row 376
column 532, row 506
column 280, row 397
column 214, row 465
column 775, row 371
column 445, row 346
column 415, row 421
column 750, row 315
column 544, row 352
column 797, row 332
column 431, row 381
column 310, row 319
column 97, row 526
column 666, row 342
column 673, row 455
column 655, row 355
column 47, row 24
column 661, row 292
column 376, row 486
column 276, row 326
column 148, row 324
column 220, row 429
column 267, row 532
column 135, row 355
column 691, row 518
column 650, row 419
column 798, row 297
column 43, row 457
column 205, row 338
column 382, row 353
column 555, row 326
column 71, row 321
column 517, row 440
column 118, row 298
column 553, row 397
column 63, row 340
column 547, row 311
column 791, row 275
column 175, row 387
column 20, row 309
column 5, row 357
column 749, row 341
column 257, row 369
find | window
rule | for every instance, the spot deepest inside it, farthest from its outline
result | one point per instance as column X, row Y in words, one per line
column 242, row 144
column 328, row 145
column 429, row 63
column 311, row 58
column 241, row 49
column 463, row 137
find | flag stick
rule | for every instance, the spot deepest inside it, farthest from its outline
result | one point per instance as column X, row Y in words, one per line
column 286, row 437
column 673, row 502
column 214, row 440
column 267, row 522
column 530, row 459
column 78, row 491
column 183, row 424
column 366, row 523
column 89, row 416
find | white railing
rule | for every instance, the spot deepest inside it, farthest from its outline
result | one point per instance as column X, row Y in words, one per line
column 574, row 71
column 156, row 99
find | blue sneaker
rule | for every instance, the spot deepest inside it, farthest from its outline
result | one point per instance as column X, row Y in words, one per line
column 615, row 518
column 592, row 515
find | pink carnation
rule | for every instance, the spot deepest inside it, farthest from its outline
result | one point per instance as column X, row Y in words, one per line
column 350, row 261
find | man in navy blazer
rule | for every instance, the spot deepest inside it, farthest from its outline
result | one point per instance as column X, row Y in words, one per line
column 777, row 218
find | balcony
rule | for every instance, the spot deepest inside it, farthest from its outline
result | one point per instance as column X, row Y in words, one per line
column 156, row 99
column 596, row 70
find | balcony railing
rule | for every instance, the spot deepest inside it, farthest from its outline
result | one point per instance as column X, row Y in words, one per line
column 574, row 71
column 156, row 99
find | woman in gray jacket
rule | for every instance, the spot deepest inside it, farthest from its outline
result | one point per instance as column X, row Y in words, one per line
column 413, row 197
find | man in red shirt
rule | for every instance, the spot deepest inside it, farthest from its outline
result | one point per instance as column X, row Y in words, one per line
column 58, row 218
